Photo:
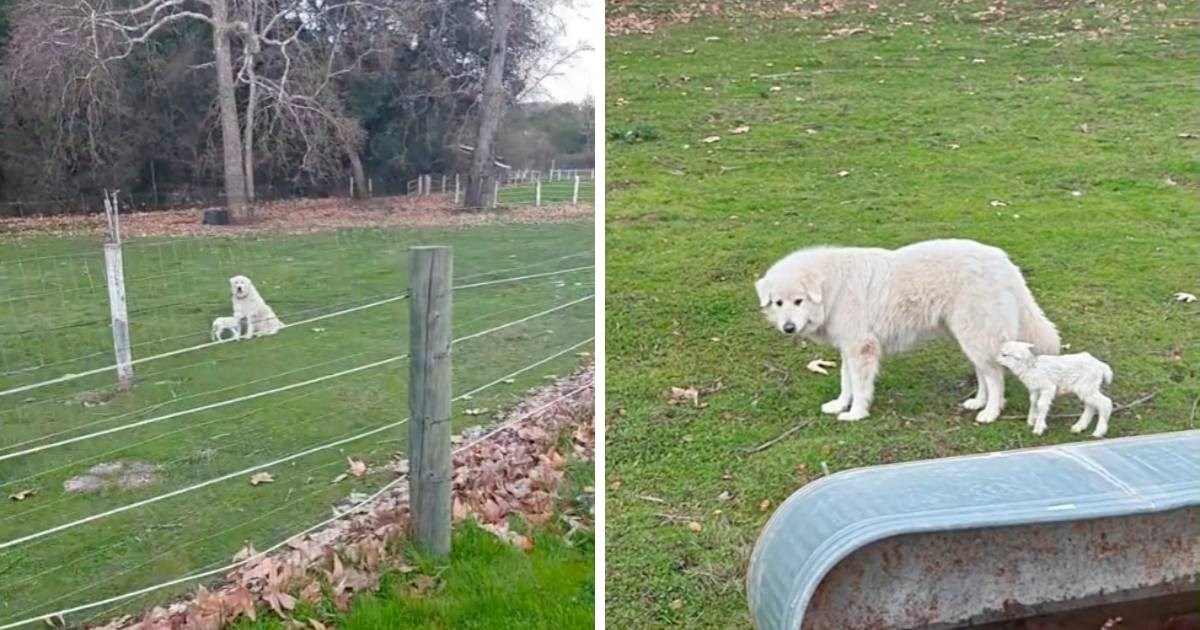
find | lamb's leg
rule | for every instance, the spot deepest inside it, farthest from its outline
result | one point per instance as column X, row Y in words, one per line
column 863, row 358
column 842, row 402
column 1084, row 419
column 980, row 398
column 1045, row 397
column 1103, row 405
column 1033, row 398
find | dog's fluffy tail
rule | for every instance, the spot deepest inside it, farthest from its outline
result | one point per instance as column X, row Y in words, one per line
column 1108, row 374
column 1036, row 328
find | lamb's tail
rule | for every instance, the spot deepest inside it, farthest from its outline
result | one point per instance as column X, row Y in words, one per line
column 1036, row 328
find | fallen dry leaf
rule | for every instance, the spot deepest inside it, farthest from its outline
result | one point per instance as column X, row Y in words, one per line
column 681, row 395
column 843, row 173
column 356, row 467
column 1185, row 297
column 479, row 411
column 711, row 139
column 740, row 129
column 23, row 494
column 996, row 203
column 676, row 604
column 695, row 526
column 765, row 505
column 1084, row 128
column 261, row 478
column 818, row 366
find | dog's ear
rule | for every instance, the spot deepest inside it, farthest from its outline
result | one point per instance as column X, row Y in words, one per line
column 812, row 287
column 764, row 293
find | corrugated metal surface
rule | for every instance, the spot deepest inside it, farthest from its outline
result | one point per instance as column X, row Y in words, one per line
column 832, row 517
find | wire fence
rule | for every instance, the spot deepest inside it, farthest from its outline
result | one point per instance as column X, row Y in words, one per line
column 514, row 187
column 124, row 498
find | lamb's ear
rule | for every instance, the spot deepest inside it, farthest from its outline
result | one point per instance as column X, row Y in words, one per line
column 764, row 294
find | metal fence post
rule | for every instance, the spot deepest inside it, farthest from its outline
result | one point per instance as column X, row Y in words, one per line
column 429, row 398
column 114, row 273
column 575, row 193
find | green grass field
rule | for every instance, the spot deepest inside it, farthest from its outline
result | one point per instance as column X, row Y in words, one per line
column 56, row 309
column 1073, row 148
column 553, row 192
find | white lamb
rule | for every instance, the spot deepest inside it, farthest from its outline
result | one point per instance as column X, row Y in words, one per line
column 222, row 324
column 1044, row 376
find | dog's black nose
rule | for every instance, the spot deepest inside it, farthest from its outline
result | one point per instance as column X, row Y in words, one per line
column 789, row 328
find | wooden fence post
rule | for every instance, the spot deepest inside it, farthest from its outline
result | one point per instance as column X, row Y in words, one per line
column 537, row 192
column 114, row 273
column 495, row 192
column 456, row 189
column 575, row 193
column 429, row 396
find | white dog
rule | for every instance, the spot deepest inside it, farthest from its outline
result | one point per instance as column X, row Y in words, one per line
column 1081, row 374
column 221, row 325
column 868, row 302
column 248, row 304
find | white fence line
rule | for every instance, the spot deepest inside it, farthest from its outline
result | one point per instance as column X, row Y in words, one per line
column 353, row 510
column 70, row 377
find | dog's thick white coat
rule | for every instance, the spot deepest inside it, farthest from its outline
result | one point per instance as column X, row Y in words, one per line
column 1047, row 376
column 222, row 324
column 870, row 302
column 248, row 304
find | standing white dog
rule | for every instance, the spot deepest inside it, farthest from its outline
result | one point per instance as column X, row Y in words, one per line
column 1081, row 374
column 248, row 304
column 868, row 302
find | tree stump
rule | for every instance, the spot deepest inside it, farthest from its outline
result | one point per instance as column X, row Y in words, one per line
column 216, row 217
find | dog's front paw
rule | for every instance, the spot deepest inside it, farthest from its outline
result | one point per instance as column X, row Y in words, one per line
column 1040, row 429
column 834, row 406
column 987, row 415
column 1098, row 433
column 852, row 415
column 1079, row 427
column 973, row 404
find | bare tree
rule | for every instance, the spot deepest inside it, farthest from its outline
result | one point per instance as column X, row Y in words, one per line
column 274, row 64
column 492, row 109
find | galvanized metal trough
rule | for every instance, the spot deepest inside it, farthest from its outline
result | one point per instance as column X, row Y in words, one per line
column 985, row 539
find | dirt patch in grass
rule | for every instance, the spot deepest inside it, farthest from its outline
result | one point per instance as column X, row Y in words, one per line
column 125, row 475
column 303, row 216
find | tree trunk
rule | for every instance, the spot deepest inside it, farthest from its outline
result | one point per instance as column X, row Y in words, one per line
column 248, row 139
column 231, row 144
column 357, row 172
column 492, row 110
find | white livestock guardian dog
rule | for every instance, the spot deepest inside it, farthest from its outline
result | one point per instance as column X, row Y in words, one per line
column 248, row 304
column 868, row 302
column 1081, row 374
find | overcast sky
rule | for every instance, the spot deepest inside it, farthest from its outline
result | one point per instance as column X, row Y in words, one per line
column 574, row 80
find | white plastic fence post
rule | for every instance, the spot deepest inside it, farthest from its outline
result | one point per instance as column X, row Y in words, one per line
column 114, row 272
column 537, row 193
column 575, row 194
column 496, row 192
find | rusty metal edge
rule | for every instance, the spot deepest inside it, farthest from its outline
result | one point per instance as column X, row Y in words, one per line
column 799, row 580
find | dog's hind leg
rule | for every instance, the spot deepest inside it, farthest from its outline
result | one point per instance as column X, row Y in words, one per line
column 863, row 358
column 977, row 401
column 842, row 402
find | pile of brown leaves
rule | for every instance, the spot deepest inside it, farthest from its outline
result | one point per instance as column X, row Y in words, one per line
column 300, row 216
column 516, row 472
column 626, row 17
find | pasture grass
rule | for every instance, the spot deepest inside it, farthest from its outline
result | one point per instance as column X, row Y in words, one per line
column 1071, row 147
column 57, row 309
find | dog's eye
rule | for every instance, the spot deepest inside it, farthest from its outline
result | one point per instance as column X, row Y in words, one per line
column 798, row 302
column 778, row 302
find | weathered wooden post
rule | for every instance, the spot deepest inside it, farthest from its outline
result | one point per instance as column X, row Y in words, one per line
column 429, row 398
column 443, row 191
column 456, row 189
column 496, row 192
column 575, row 194
column 114, row 272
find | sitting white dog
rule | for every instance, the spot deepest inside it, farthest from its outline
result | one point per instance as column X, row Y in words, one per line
column 249, row 305
column 221, row 325
column 1044, row 376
